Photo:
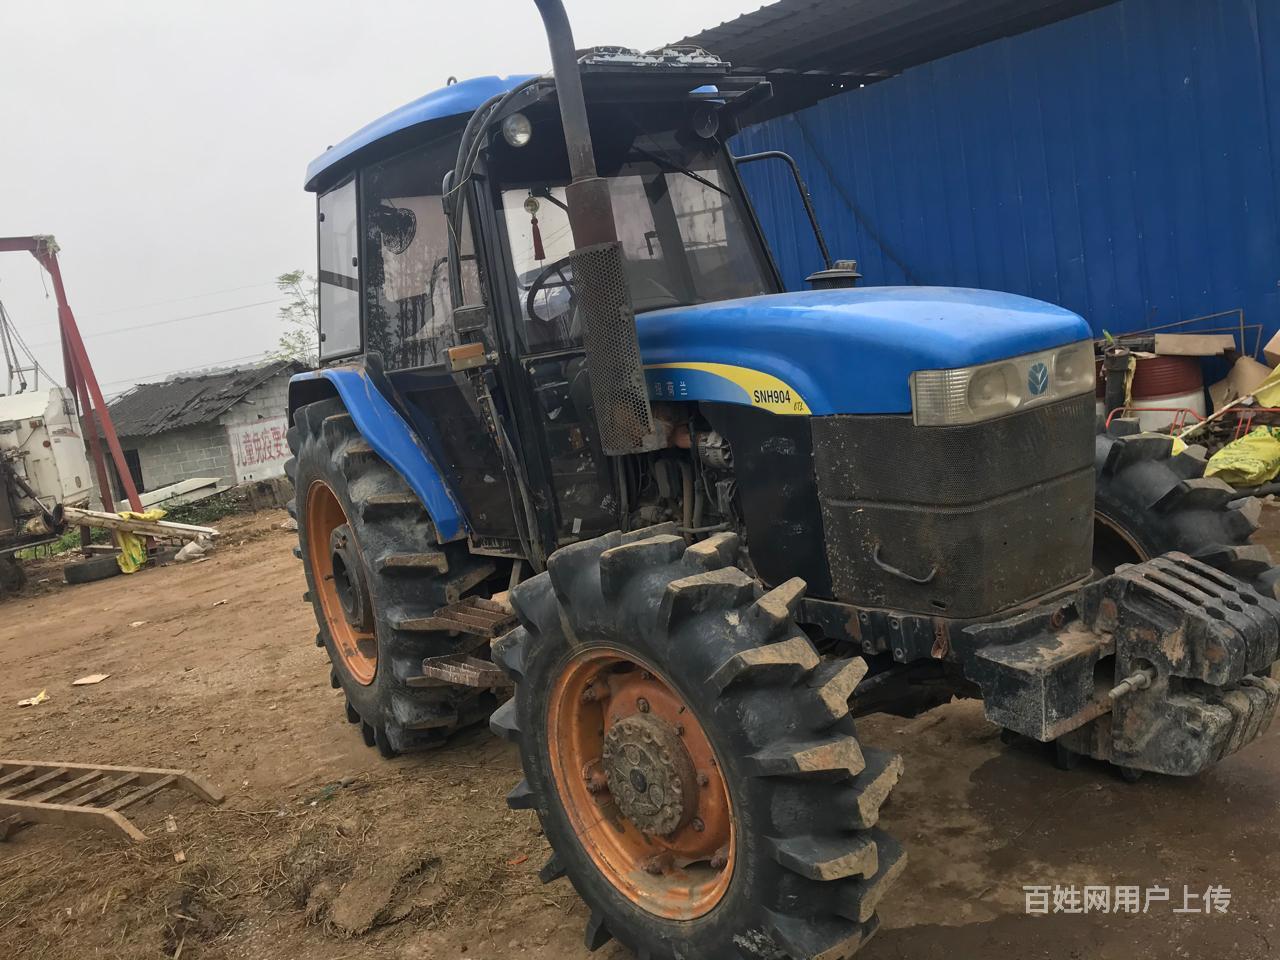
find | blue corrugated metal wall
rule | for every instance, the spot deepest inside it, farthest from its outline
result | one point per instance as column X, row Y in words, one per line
column 1122, row 163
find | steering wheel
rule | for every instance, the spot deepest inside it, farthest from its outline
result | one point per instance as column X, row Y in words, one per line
column 556, row 269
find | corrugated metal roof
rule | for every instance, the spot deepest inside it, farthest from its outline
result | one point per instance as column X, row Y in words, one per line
column 1124, row 164
column 866, row 39
column 151, row 408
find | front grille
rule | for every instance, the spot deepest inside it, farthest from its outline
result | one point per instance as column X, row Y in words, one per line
column 990, row 514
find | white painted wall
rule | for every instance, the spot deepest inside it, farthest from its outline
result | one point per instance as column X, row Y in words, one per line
column 246, row 443
column 255, row 429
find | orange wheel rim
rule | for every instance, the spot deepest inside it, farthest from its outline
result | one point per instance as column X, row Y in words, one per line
column 1122, row 534
column 357, row 647
column 641, row 784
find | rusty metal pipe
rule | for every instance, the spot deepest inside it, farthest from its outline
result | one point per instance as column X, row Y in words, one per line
column 587, row 196
column 1115, row 369
column 573, row 105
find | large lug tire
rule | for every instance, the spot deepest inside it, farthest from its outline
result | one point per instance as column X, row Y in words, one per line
column 1150, row 502
column 771, row 748
column 350, row 504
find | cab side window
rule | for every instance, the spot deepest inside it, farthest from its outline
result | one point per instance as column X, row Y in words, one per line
column 339, row 276
column 408, row 300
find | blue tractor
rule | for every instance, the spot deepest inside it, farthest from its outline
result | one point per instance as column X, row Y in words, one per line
column 570, row 435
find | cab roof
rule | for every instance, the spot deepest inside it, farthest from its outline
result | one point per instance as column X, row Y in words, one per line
column 457, row 99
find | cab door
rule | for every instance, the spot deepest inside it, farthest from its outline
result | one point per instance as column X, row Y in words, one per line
column 527, row 238
column 413, row 280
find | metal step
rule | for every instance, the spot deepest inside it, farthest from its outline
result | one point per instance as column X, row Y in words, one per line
column 472, row 615
column 461, row 670
column 431, row 562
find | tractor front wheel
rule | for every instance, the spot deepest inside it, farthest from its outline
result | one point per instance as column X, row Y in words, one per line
column 1150, row 501
column 691, row 758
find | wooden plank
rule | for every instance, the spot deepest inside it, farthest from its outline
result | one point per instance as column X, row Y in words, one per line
column 67, row 787
column 106, row 788
column 197, row 786
column 86, row 767
column 160, row 528
column 16, row 774
column 1194, row 344
column 184, row 779
column 69, row 814
column 39, row 781
column 142, row 793
column 146, row 782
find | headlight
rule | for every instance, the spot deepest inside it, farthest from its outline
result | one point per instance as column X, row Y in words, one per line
column 1074, row 370
column 992, row 391
column 517, row 129
column 972, row 394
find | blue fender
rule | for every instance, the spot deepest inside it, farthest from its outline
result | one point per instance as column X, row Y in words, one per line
column 393, row 440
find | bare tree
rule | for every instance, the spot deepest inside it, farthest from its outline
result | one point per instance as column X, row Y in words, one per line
column 301, row 318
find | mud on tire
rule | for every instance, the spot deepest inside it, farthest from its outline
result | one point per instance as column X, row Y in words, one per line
column 1150, row 501
column 809, row 865
column 408, row 575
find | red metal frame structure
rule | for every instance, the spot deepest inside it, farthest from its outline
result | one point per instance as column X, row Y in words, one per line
column 80, row 375
column 1180, row 415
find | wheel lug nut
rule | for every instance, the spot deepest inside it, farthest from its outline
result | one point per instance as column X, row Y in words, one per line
column 680, row 729
column 597, row 783
column 720, row 859
column 703, row 779
column 642, row 705
column 698, row 825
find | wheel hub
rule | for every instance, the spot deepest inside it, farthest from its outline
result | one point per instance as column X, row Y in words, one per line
column 650, row 774
column 348, row 579
column 641, row 783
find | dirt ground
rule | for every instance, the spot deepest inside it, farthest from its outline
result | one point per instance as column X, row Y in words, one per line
column 323, row 851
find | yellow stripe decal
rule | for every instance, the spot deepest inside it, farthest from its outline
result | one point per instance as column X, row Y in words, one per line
column 762, row 390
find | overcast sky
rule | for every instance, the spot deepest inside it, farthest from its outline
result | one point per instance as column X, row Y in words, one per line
column 163, row 144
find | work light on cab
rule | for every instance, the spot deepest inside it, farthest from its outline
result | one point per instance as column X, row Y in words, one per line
column 517, row 130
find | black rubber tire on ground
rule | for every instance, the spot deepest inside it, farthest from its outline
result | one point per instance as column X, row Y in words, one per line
column 1150, row 502
column 88, row 571
column 13, row 576
column 810, row 864
column 409, row 577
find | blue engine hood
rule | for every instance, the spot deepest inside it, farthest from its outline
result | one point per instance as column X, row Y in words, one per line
column 839, row 351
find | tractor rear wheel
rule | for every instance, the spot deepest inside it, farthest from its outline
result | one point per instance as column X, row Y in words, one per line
column 691, row 758
column 1150, row 501
column 374, row 573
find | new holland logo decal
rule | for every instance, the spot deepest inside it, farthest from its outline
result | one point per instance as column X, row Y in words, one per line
column 1038, row 379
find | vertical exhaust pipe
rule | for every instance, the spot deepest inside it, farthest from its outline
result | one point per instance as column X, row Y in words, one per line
column 618, row 391
column 590, row 209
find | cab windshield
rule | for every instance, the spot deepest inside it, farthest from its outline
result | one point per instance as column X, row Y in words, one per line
column 684, row 233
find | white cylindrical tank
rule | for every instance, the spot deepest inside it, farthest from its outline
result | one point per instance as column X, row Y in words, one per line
column 40, row 439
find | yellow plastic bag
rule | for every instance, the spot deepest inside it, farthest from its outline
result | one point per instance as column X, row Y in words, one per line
column 1268, row 394
column 133, row 546
column 1249, row 461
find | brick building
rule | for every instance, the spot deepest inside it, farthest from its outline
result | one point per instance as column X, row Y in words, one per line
column 229, row 424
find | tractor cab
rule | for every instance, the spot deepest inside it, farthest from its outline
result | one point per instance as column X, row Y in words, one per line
column 445, row 242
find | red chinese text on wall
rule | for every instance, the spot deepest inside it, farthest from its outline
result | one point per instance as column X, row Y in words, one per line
column 259, row 449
